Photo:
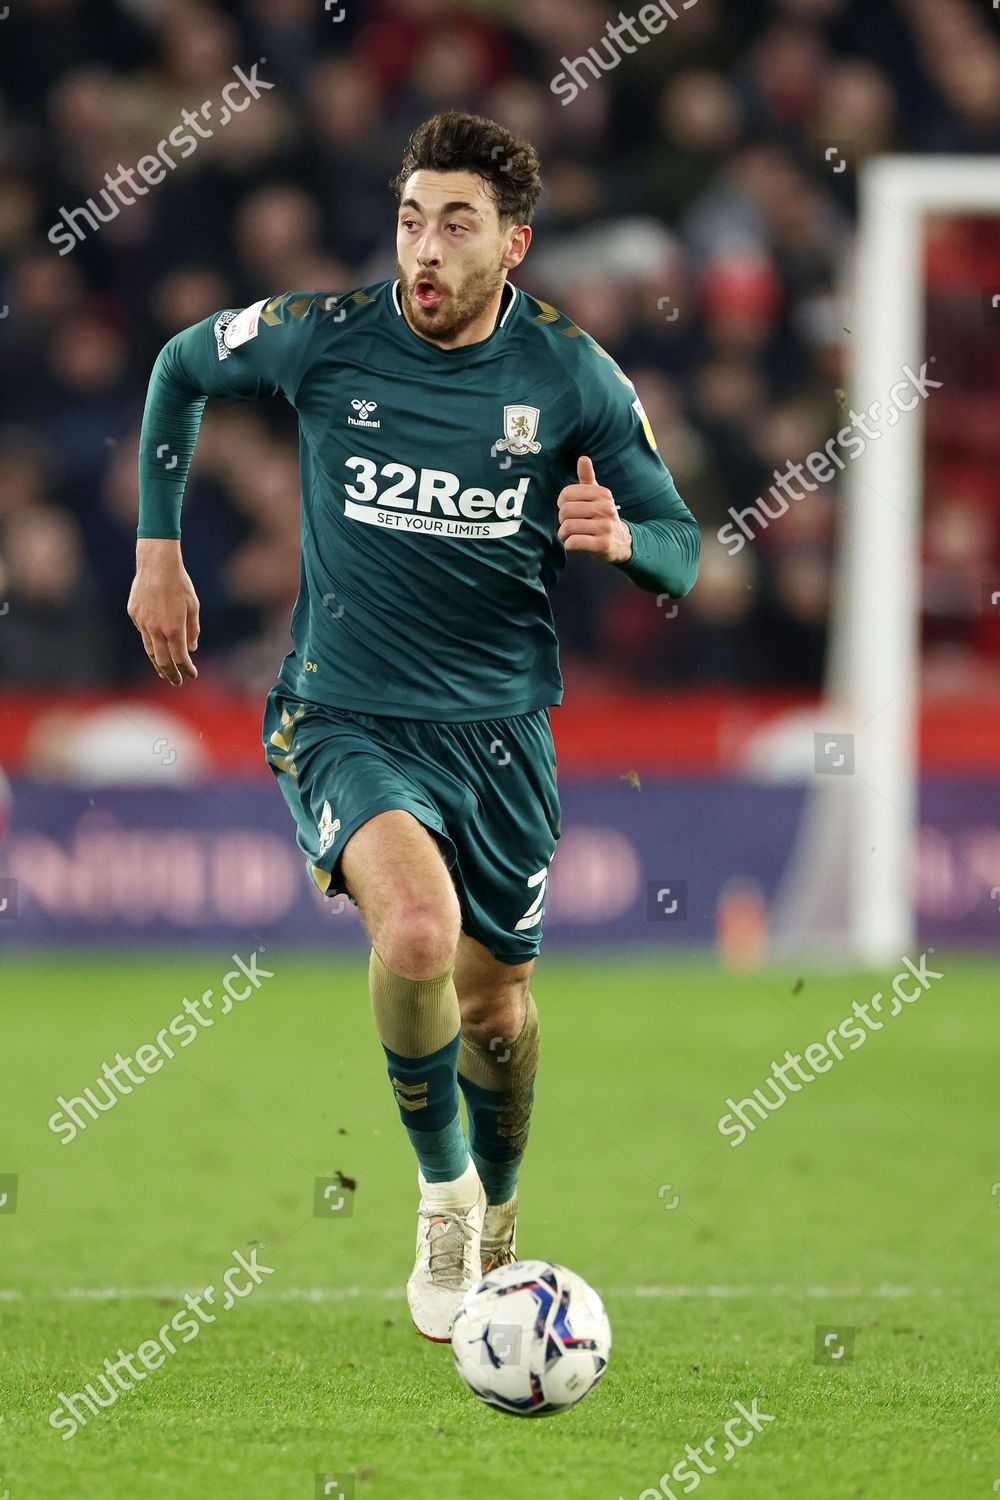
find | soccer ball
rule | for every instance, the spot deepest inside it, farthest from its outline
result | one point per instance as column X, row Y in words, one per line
column 531, row 1339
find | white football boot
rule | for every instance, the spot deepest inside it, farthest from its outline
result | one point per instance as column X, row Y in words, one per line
column 449, row 1231
column 499, row 1242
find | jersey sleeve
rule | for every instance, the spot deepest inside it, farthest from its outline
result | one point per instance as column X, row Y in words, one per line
column 665, row 549
column 262, row 350
column 616, row 434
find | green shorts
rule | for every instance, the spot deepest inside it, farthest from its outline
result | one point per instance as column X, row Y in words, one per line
column 486, row 791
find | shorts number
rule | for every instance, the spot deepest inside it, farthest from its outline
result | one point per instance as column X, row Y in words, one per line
column 533, row 915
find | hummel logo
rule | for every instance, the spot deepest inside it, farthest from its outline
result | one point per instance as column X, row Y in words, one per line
column 364, row 410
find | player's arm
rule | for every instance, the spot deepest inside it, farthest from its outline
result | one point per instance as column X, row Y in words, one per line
column 624, row 507
column 255, row 352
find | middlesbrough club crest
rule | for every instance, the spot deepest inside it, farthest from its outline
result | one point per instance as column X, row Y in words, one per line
column 520, row 424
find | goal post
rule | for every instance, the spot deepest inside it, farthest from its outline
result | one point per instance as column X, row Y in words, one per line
column 861, row 830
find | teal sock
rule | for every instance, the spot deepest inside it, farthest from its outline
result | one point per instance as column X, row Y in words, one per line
column 499, row 1089
column 426, row 1091
column 496, row 1153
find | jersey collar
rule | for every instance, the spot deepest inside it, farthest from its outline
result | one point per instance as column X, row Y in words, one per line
column 510, row 296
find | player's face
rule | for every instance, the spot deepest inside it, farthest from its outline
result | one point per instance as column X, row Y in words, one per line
column 453, row 254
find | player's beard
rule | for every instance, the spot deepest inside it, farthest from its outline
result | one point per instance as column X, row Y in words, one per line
column 461, row 307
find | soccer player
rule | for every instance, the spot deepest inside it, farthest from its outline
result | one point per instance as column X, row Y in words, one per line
column 457, row 438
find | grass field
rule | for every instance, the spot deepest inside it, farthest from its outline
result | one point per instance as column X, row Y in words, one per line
column 866, row 1203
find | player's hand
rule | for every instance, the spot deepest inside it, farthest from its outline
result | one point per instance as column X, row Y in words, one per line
column 589, row 519
column 163, row 607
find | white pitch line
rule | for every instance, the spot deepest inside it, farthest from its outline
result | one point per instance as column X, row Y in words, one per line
column 391, row 1294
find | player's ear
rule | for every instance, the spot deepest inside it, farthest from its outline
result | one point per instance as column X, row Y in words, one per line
column 517, row 248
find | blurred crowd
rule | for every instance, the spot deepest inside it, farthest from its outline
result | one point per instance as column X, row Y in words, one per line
column 693, row 219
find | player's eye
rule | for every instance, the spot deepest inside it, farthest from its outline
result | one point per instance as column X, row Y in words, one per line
column 458, row 226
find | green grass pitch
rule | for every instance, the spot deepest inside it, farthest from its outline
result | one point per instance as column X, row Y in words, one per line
column 869, row 1202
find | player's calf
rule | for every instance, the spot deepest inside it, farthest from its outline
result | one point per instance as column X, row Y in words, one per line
column 497, row 1062
column 498, row 1083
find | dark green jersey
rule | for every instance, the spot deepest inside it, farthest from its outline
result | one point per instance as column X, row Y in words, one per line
column 429, row 484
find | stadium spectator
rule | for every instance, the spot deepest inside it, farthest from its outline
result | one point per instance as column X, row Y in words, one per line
column 691, row 221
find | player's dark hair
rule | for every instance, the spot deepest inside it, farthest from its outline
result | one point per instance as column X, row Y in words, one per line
column 457, row 142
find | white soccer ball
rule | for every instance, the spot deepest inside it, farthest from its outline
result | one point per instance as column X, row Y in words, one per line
column 531, row 1339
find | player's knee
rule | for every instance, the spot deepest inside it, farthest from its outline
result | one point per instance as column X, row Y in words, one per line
column 495, row 1011
column 419, row 940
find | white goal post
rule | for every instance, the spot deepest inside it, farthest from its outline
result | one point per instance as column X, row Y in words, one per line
column 861, row 829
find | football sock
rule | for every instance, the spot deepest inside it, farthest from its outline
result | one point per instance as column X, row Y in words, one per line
column 457, row 1194
column 498, row 1084
column 418, row 1024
